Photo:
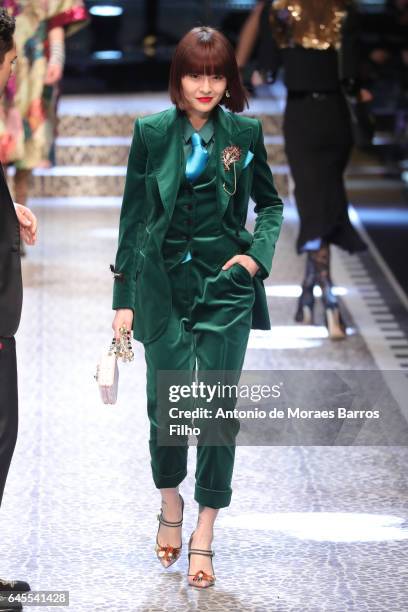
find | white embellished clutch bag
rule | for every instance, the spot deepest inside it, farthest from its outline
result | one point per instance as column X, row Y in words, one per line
column 107, row 371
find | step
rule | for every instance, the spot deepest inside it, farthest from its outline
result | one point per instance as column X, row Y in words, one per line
column 121, row 124
column 81, row 181
column 92, row 151
column 371, row 189
column 369, row 181
column 114, row 150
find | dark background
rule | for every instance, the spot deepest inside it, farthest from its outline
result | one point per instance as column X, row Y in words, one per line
column 112, row 48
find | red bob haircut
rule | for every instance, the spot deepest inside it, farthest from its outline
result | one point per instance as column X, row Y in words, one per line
column 204, row 50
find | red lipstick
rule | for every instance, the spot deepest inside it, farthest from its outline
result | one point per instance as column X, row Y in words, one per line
column 204, row 99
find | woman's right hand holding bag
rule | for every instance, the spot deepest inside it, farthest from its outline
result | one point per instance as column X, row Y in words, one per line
column 123, row 317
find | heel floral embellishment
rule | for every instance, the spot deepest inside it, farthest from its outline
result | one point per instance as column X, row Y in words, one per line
column 168, row 553
column 202, row 575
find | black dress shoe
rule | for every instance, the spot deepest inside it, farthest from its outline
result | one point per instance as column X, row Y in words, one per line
column 14, row 586
column 304, row 312
column 11, row 586
column 6, row 606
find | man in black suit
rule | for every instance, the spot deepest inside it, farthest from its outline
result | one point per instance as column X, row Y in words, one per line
column 16, row 222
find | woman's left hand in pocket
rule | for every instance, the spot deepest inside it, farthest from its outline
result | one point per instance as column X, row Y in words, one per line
column 244, row 260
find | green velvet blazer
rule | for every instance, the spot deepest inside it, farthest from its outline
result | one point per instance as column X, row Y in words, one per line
column 154, row 174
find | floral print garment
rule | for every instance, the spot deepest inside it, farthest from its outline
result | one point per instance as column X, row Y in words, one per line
column 27, row 108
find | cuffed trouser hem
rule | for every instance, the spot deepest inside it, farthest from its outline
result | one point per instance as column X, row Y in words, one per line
column 168, row 481
column 212, row 498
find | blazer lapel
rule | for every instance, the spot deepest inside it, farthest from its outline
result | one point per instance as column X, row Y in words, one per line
column 164, row 142
column 228, row 132
column 165, row 145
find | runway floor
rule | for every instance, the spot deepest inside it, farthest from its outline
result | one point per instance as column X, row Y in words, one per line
column 310, row 528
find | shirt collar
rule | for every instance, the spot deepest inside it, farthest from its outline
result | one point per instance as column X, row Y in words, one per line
column 206, row 132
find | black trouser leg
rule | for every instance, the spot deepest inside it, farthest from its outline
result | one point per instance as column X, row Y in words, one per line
column 321, row 260
column 8, row 407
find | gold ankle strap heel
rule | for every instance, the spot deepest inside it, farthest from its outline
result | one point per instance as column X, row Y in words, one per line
column 167, row 555
column 201, row 575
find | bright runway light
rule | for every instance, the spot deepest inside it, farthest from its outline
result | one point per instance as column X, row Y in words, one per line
column 107, row 55
column 354, row 218
column 390, row 216
column 294, row 291
column 324, row 526
column 106, row 11
column 290, row 337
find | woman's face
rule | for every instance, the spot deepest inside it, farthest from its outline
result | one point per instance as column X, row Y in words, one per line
column 203, row 92
column 6, row 68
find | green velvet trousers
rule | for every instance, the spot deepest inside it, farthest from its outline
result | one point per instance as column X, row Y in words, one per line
column 208, row 330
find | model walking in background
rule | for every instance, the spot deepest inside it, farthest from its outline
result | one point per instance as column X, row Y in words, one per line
column 316, row 42
column 28, row 108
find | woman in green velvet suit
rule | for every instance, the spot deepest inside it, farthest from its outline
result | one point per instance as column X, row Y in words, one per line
column 189, row 275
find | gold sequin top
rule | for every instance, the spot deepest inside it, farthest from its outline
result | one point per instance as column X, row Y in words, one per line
column 312, row 24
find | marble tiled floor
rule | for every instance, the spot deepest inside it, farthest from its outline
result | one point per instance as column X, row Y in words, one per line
column 309, row 528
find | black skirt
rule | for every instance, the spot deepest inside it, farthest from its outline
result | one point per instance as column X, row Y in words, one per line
column 318, row 143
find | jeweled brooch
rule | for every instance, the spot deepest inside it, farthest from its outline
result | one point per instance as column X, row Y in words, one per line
column 230, row 155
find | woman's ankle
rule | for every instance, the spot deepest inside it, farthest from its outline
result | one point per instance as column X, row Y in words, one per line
column 171, row 505
column 203, row 532
column 171, row 497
